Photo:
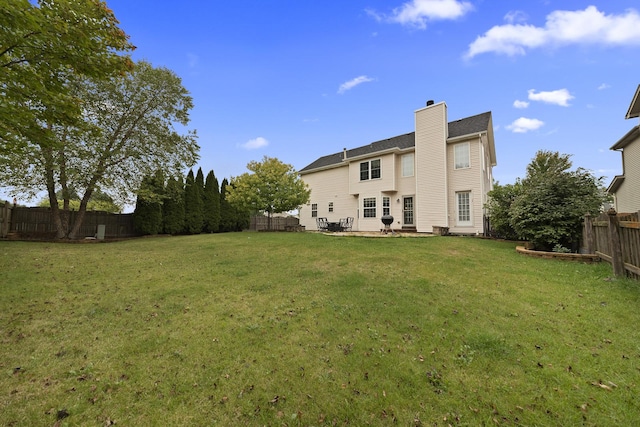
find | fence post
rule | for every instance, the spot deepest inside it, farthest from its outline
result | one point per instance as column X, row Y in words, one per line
column 617, row 262
column 588, row 234
column 4, row 216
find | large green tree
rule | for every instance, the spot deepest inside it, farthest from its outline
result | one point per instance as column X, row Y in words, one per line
column 128, row 133
column 211, row 204
column 553, row 200
column 232, row 218
column 271, row 186
column 173, row 206
column 147, row 217
column 43, row 45
column 498, row 209
column 193, row 205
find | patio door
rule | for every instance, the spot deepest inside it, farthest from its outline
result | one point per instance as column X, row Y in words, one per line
column 407, row 211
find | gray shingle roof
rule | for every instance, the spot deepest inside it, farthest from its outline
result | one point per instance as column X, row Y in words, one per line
column 466, row 126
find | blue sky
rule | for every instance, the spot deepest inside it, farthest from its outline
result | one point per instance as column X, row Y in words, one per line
column 298, row 80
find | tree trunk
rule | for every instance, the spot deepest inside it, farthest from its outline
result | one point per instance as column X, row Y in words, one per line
column 80, row 216
column 59, row 217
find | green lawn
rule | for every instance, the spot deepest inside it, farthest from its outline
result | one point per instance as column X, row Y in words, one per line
column 305, row 329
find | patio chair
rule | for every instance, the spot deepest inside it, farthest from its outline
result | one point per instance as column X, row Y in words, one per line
column 321, row 222
column 346, row 223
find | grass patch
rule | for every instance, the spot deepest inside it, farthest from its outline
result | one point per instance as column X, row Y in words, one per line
column 307, row 329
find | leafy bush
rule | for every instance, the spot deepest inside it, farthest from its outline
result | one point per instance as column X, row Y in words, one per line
column 548, row 206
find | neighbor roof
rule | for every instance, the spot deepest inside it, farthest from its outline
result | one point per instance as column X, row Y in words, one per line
column 470, row 125
column 627, row 139
column 634, row 108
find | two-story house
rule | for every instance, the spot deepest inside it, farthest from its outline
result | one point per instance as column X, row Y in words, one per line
column 625, row 188
column 439, row 175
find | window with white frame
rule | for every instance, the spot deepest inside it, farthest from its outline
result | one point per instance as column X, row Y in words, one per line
column 314, row 210
column 375, row 169
column 463, row 201
column 370, row 170
column 386, row 205
column 407, row 165
column 461, row 155
column 369, row 207
column 330, row 206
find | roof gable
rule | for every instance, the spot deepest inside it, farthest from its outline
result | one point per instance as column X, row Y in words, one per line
column 467, row 126
column 634, row 108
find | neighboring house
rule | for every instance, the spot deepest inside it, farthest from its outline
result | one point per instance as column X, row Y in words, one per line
column 625, row 188
column 438, row 175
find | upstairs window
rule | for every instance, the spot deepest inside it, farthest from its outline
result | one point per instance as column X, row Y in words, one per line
column 375, row 169
column 407, row 165
column 370, row 170
column 461, row 155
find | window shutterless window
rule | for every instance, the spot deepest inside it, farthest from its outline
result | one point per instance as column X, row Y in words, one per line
column 461, row 155
column 314, row 210
column 375, row 169
column 370, row 170
column 330, row 206
column 407, row 165
column 369, row 207
column 364, row 171
column 386, row 206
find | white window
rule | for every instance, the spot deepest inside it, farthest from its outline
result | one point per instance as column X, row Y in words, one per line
column 370, row 170
column 314, row 210
column 386, row 205
column 407, row 165
column 461, row 155
column 369, row 205
column 463, row 199
column 330, row 206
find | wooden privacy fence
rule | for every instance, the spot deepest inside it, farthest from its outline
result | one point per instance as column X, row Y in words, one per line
column 261, row 223
column 37, row 223
column 615, row 238
column 5, row 218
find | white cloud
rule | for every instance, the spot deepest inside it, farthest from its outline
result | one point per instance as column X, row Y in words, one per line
column 604, row 86
column 562, row 27
column 417, row 13
column 558, row 97
column 520, row 104
column 524, row 125
column 515, row 16
column 353, row 83
column 254, row 144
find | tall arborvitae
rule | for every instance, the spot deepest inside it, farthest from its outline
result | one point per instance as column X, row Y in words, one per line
column 231, row 218
column 193, row 205
column 211, row 204
column 173, row 206
column 147, row 217
column 200, row 185
column 227, row 215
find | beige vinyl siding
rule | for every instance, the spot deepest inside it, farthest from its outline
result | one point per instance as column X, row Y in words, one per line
column 430, row 163
column 329, row 185
column 628, row 195
column 404, row 185
column 470, row 179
